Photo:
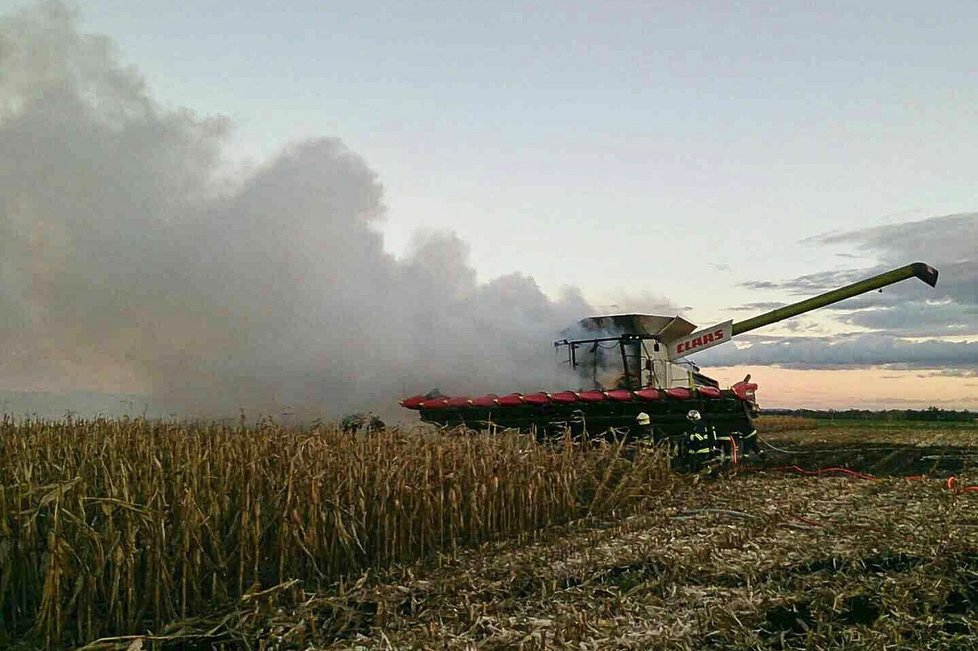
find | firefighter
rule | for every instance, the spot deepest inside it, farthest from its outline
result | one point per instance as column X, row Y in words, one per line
column 699, row 442
column 723, row 444
column 362, row 421
column 577, row 424
column 748, row 444
column 644, row 427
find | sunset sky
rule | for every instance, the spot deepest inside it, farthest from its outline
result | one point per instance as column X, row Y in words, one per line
column 714, row 161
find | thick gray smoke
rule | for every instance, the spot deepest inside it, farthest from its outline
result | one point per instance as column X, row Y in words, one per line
column 129, row 262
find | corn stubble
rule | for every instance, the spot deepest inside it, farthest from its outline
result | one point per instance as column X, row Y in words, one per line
column 114, row 527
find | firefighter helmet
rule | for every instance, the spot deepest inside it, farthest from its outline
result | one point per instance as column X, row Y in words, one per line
column 693, row 416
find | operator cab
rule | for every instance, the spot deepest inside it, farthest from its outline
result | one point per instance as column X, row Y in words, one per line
column 626, row 351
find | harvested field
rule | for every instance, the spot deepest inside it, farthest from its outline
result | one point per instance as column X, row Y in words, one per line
column 869, row 556
column 769, row 424
column 760, row 559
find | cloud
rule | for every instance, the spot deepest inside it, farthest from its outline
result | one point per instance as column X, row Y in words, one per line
column 760, row 306
column 907, row 309
column 132, row 258
column 864, row 350
column 949, row 243
column 900, row 312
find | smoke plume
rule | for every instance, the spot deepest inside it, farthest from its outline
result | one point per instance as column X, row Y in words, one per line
column 132, row 260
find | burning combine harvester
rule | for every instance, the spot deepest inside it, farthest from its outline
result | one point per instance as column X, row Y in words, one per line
column 633, row 370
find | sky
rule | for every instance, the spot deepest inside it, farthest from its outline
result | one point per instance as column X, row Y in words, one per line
column 614, row 156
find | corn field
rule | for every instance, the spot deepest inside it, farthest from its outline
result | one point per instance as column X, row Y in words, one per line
column 112, row 527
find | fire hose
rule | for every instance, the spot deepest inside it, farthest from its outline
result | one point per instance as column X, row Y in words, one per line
column 952, row 483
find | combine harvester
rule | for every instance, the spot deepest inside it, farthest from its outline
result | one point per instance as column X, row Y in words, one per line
column 633, row 364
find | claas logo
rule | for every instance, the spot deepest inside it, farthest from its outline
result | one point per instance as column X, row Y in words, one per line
column 698, row 342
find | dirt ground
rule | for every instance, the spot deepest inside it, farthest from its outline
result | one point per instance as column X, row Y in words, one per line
column 766, row 557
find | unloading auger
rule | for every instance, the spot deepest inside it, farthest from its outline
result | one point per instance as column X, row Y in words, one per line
column 629, row 364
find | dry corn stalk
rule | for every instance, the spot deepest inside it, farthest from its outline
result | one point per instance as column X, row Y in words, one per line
column 110, row 527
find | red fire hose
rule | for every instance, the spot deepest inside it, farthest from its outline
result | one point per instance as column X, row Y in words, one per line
column 952, row 483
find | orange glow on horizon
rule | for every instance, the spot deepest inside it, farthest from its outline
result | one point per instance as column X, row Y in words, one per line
column 871, row 388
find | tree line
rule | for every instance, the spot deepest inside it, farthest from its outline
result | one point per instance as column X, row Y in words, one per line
column 929, row 414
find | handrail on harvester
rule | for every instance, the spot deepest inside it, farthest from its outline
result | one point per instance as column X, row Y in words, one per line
column 919, row 270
